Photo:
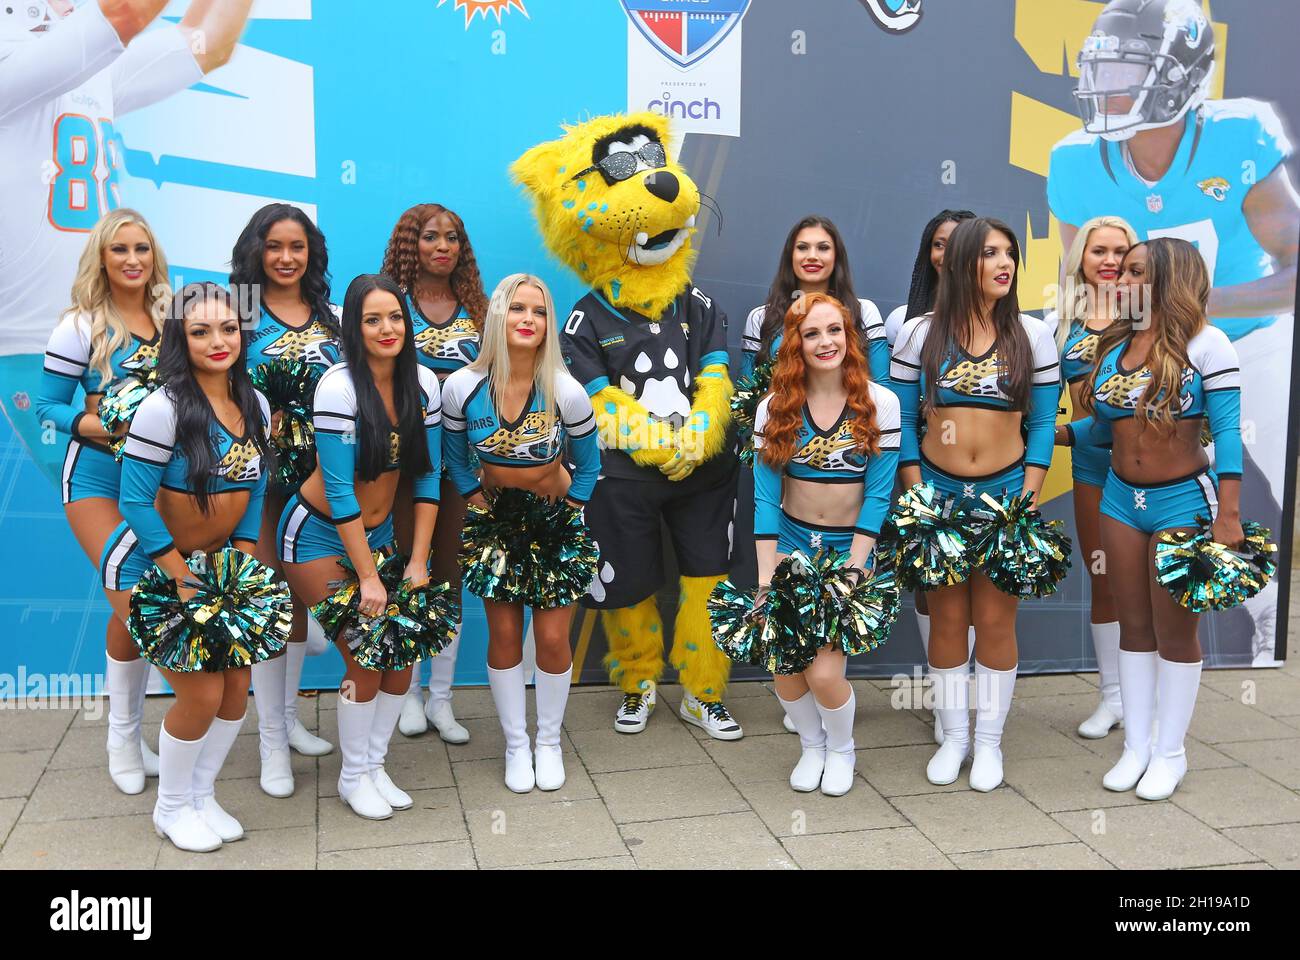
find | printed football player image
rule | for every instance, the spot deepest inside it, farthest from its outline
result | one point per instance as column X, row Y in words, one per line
column 67, row 70
column 1157, row 152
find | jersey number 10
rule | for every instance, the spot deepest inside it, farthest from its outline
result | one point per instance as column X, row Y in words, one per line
column 84, row 173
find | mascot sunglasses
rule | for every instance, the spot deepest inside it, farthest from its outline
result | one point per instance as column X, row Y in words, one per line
column 622, row 165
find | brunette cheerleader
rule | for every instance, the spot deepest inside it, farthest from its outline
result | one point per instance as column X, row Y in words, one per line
column 111, row 332
column 281, row 254
column 1161, row 370
column 192, row 481
column 983, row 368
column 517, row 408
column 430, row 257
column 826, row 448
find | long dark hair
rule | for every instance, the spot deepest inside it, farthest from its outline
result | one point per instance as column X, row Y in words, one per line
column 373, row 426
column 402, row 259
column 246, row 259
column 194, row 413
column 960, row 300
column 781, row 295
column 925, row 279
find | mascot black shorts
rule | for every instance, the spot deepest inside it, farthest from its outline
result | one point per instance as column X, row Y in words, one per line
column 626, row 518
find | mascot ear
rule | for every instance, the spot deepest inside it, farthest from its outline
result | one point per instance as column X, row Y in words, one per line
column 655, row 121
column 537, row 170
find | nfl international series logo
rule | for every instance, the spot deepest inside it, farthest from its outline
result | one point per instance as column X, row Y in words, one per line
column 685, row 31
column 896, row 16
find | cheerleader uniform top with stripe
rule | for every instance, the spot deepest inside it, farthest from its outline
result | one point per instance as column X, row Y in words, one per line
column 872, row 327
column 1210, row 389
column 444, row 347
column 67, row 366
column 472, row 420
column 967, row 381
column 312, row 343
column 829, row 456
column 152, row 458
column 334, row 415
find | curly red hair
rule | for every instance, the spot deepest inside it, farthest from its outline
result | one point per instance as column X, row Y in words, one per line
column 402, row 259
column 788, row 395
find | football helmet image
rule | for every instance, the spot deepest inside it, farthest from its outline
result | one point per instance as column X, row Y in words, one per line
column 1145, row 64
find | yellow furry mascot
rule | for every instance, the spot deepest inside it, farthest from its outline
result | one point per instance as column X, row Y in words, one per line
column 651, row 349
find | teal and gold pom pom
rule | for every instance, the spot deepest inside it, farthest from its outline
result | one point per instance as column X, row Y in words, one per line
column 417, row 624
column 1201, row 574
column 290, row 386
column 749, row 392
column 524, row 549
column 1020, row 552
column 241, row 615
column 863, row 608
column 926, row 540
column 737, row 625
column 120, row 402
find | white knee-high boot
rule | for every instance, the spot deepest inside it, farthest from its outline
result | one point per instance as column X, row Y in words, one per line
column 316, row 642
column 807, row 721
column 412, row 722
column 300, row 738
column 387, row 708
column 356, row 789
column 442, row 671
column 1137, row 680
column 273, row 739
column 552, row 690
column 923, row 628
column 125, row 682
column 216, row 746
column 1176, row 687
column 1105, row 641
column 993, row 691
column 952, row 707
column 841, row 757
column 140, row 689
column 174, row 816
column 509, row 695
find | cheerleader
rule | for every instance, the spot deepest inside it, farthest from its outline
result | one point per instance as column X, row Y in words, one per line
column 515, row 406
column 1161, row 370
column 282, row 255
column 192, row 481
column 920, row 300
column 378, row 419
column 1085, row 308
column 813, row 260
column 111, row 332
column 821, row 487
column 430, row 256
column 983, row 369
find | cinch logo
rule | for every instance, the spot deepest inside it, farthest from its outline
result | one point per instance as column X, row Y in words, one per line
column 685, row 31
column 100, row 914
column 705, row 109
column 896, row 16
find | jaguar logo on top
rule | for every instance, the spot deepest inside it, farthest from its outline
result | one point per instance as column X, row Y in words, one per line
column 683, row 61
column 896, row 16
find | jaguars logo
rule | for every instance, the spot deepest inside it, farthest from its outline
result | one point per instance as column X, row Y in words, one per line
column 452, row 342
column 394, row 448
column 144, row 358
column 973, row 378
column 1124, row 390
column 831, row 453
column 531, row 440
column 1084, row 350
column 1215, row 187
column 307, row 345
column 241, row 464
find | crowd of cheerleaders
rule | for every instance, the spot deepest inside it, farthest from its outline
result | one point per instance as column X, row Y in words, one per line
column 956, row 388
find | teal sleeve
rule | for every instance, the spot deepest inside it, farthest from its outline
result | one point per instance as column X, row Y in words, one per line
column 909, row 400
column 1089, row 432
column 427, row 486
column 767, row 499
column 140, row 482
column 338, row 463
column 455, row 449
column 1042, row 425
column 54, row 404
column 878, row 484
column 878, row 361
column 585, row 453
column 1223, row 407
column 250, row 524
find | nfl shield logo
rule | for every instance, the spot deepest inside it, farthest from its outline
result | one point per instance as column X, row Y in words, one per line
column 685, row 36
column 1155, row 203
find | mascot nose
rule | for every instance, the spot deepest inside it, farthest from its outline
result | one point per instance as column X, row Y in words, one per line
column 663, row 185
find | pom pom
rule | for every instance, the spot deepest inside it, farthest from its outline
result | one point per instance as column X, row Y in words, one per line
column 737, row 626
column 863, row 608
column 1020, row 552
column 290, row 386
column 120, row 402
column 241, row 615
column 1201, row 574
column 926, row 540
column 417, row 624
column 526, row 550
column 749, row 392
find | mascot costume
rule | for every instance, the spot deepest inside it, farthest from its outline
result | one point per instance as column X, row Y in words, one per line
column 651, row 349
